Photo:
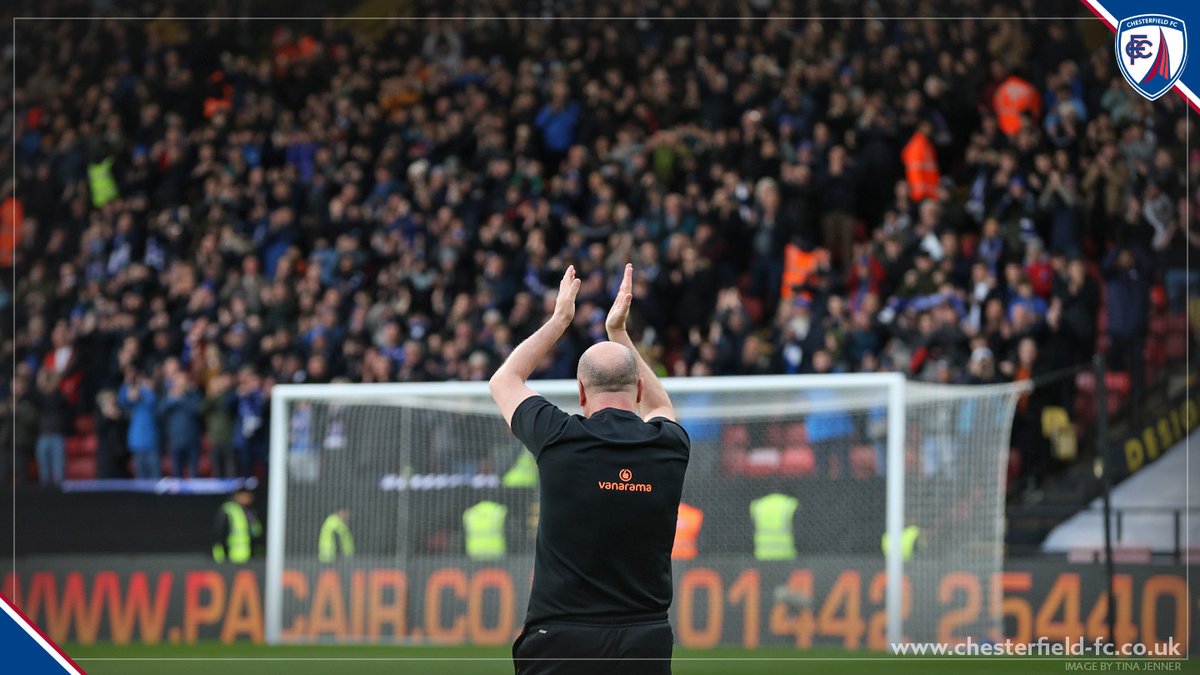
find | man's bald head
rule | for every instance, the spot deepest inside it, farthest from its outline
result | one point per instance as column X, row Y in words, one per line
column 608, row 367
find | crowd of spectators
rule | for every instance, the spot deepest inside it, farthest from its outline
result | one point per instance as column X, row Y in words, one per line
column 209, row 207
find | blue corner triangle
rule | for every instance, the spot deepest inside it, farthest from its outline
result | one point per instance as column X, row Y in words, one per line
column 25, row 649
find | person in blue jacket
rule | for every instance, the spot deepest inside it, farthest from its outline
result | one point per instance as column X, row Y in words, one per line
column 250, row 427
column 1128, row 273
column 179, row 411
column 558, row 120
column 138, row 398
column 829, row 427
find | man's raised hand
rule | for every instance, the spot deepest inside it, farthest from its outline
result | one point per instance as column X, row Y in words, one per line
column 568, row 288
column 615, row 323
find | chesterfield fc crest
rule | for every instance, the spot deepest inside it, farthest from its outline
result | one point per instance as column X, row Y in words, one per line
column 1152, row 50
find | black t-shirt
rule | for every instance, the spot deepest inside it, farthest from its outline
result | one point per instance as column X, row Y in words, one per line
column 610, row 488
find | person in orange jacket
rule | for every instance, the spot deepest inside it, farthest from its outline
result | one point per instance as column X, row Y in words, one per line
column 687, row 532
column 1013, row 98
column 920, row 164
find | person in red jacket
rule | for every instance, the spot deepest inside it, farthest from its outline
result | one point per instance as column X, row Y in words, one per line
column 63, row 360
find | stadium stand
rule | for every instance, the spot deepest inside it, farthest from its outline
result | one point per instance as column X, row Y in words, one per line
column 207, row 209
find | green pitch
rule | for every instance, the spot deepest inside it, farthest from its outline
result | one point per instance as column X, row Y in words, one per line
column 217, row 659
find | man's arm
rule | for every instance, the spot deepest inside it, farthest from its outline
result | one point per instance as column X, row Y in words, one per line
column 508, row 384
column 655, row 402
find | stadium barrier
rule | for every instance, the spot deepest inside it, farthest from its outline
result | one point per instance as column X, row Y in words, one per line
column 827, row 604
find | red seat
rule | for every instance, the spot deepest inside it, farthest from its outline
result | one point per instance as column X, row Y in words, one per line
column 862, row 461
column 735, row 441
column 85, row 425
column 1152, row 369
column 735, row 436
column 1177, row 324
column 1117, row 383
column 796, row 434
column 798, row 461
column 773, row 436
column 74, row 446
column 1085, row 409
column 733, row 461
column 1156, row 353
column 80, row 468
column 1158, row 326
column 1176, row 346
column 1158, row 297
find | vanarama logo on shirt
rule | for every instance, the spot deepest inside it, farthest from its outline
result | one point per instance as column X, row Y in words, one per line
column 625, row 485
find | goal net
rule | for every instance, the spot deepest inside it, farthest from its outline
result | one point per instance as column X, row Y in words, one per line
column 797, row 488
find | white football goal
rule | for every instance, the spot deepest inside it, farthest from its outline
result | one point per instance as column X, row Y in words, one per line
column 854, row 461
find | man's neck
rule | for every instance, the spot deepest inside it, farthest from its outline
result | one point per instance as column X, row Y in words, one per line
column 618, row 400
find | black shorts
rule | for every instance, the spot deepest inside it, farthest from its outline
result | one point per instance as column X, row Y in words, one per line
column 604, row 649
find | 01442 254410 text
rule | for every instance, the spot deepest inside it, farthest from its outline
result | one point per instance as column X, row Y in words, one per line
column 730, row 603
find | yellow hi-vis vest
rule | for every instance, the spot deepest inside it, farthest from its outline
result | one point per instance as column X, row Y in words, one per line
column 101, row 182
column 908, row 541
column 523, row 473
column 237, row 547
column 773, row 539
column 484, row 524
column 335, row 535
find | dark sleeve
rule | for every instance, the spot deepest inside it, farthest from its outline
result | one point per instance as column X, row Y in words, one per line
column 1144, row 262
column 536, row 422
column 674, row 429
column 1108, row 266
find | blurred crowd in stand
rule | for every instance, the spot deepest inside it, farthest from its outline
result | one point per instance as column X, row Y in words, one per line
column 204, row 208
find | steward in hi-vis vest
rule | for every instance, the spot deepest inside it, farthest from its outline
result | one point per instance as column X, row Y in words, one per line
column 523, row 473
column 773, row 538
column 335, row 539
column 484, row 524
column 908, row 541
column 238, row 533
column 101, row 182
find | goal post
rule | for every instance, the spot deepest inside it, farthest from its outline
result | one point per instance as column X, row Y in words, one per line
column 864, row 456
